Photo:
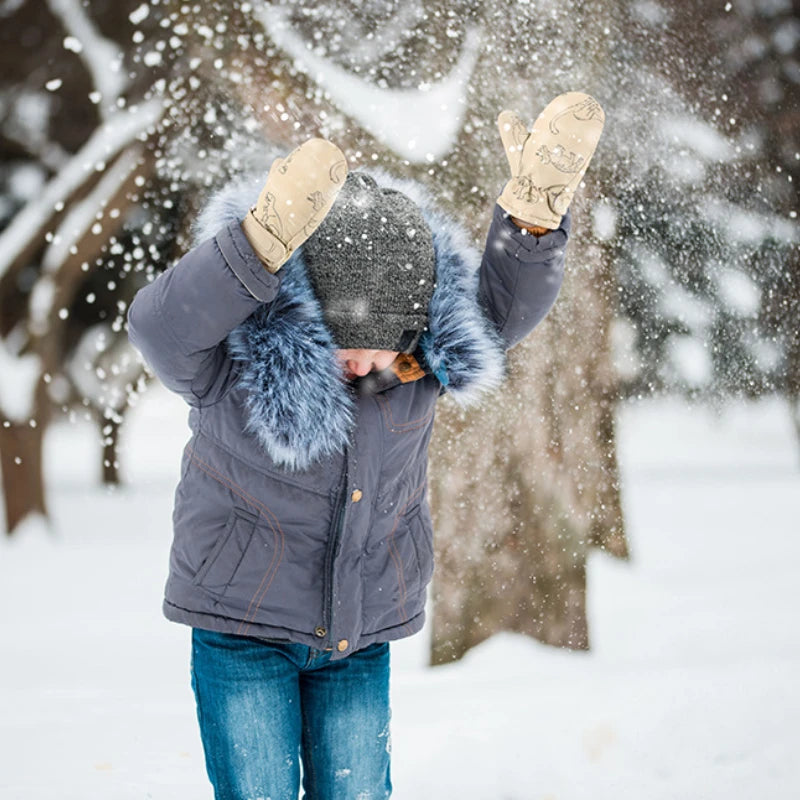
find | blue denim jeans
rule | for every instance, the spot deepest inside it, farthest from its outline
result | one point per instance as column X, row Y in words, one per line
column 265, row 705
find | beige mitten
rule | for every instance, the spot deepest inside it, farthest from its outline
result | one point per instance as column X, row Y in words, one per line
column 298, row 193
column 548, row 163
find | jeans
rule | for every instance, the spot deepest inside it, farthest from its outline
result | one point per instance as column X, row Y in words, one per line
column 265, row 705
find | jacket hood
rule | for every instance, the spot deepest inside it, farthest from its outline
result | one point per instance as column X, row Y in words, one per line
column 298, row 404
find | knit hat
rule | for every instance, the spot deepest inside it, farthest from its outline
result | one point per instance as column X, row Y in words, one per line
column 371, row 265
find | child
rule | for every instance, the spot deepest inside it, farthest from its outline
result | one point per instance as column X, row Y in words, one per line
column 312, row 340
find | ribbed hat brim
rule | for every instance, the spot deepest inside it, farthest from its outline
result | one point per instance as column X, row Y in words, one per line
column 398, row 332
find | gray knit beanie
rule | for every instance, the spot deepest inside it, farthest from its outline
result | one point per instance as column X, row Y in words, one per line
column 371, row 265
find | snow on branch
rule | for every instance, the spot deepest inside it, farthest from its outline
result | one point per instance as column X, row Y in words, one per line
column 117, row 132
column 743, row 226
column 82, row 215
column 18, row 387
column 103, row 58
column 438, row 108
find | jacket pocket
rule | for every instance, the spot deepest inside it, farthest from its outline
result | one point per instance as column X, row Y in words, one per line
column 396, row 569
column 421, row 533
column 220, row 567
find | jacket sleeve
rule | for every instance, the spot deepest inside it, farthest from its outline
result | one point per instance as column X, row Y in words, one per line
column 179, row 321
column 520, row 275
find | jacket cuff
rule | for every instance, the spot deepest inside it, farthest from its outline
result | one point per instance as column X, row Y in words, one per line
column 525, row 246
column 245, row 264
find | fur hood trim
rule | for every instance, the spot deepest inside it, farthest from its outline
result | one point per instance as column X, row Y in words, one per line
column 298, row 405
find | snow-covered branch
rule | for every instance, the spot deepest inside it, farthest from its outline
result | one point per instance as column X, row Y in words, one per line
column 118, row 132
column 419, row 124
column 103, row 58
column 84, row 213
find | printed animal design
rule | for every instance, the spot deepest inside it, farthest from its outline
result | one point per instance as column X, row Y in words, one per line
column 270, row 219
column 526, row 190
column 556, row 197
column 563, row 160
column 317, row 200
column 586, row 111
column 519, row 133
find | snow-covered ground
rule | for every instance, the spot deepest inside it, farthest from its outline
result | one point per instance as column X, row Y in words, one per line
column 690, row 690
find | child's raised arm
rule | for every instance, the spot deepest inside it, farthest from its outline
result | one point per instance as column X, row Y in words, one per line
column 179, row 322
column 523, row 262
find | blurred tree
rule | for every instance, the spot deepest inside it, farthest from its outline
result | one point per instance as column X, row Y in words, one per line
column 209, row 86
column 528, row 484
column 73, row 154
column 702, row 213
column 524, row 487
column 758, row 71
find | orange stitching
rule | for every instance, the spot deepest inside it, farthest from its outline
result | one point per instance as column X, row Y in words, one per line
column 397, row 426
column 398, row 565
column 393, row 552
column 222, row 479
column 401, row 427
column 225, row 481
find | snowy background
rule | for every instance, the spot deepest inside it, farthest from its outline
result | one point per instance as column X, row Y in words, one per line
column 690, row 687
column 689, row 691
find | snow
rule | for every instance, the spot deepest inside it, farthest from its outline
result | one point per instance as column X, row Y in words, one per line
column 139, row 14
column 25, row 181
column 738, row 291
column 676, row 301
column 102, row 365
column 690, row 689
column 625, row 359
column 26, row 122
column 120, row 130
column 72, row 44
column 103, row 57
column 427, row 134
column 18, row 384
column 652, row 13
column 742, row 226
column 786, row 36
column 83, row 213
column 604, row 221
column 698, row 135
column 691, row 359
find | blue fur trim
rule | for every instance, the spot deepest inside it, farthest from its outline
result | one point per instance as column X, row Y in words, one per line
column 461, row 346
column 232, row 202
column 298, row 405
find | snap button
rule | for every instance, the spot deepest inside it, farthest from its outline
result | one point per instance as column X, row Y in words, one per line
column 404, row 366
column 320, row 631
column 342, row 646
column 357, row 495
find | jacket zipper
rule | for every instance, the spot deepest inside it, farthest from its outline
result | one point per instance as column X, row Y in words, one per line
column 330, row 555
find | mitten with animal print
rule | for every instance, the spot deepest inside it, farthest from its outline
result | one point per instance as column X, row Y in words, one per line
column 548, row 162
column 298, row 193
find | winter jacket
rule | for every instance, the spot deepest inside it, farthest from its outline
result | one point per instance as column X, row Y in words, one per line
column 301, row 513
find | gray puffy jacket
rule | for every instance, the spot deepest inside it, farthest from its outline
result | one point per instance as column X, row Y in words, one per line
column 301, row 513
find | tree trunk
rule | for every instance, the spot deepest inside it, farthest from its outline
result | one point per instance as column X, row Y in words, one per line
column 109, row 430
column 21, row 467
column 523, row 487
